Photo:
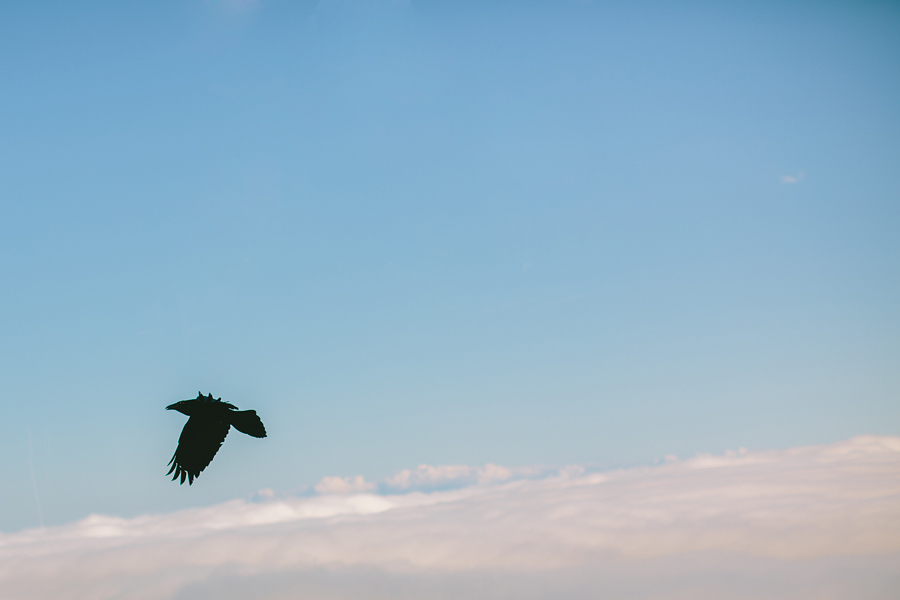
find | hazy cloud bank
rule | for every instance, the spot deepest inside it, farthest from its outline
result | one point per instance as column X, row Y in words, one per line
column 428, row 478
column 811, row 522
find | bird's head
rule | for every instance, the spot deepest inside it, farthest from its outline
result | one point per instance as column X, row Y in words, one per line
column 184, row 407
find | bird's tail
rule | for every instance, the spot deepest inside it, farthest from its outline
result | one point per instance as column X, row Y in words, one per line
column 246, row 421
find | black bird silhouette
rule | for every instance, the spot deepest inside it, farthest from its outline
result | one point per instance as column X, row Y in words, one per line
column 205, row 431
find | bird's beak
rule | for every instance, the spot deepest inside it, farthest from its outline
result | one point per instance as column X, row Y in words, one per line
column 171, row 406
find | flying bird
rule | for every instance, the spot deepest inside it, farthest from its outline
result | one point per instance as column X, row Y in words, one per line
column 203, row 434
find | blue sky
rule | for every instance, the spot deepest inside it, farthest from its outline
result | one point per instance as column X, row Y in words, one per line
column 438, row 232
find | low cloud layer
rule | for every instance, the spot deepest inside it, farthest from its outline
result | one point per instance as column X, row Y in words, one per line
column 811, row 522
column 428, row 478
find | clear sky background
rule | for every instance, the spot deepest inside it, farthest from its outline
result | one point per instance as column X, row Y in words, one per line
column 438, row 232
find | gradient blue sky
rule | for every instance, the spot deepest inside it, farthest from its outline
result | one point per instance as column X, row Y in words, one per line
column 438, row 232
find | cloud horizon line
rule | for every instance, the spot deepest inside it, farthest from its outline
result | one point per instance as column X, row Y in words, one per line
column 836, row 502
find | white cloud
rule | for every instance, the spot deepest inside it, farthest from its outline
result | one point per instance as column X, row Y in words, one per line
column 429, row 478
column 343, row 485
column 799, row 523
column 793, row 178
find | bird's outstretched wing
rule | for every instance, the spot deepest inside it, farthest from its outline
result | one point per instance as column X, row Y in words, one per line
column 200, row 440
column 247, row 421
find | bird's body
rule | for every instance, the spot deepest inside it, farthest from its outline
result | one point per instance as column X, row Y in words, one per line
column 203, row 434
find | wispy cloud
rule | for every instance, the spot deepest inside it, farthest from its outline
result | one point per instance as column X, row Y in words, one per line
column 791, row 179
column 344, row 485
column 430, row 478
column 815, row 516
